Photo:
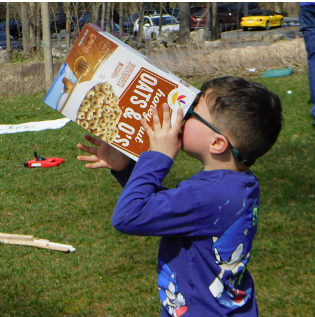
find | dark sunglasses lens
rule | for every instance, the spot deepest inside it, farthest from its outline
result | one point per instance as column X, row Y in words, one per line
column 192, row 107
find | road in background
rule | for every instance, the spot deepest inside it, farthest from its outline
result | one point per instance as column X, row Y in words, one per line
column 237, row 37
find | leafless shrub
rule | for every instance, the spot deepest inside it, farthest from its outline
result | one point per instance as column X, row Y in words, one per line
column 234, row 61
column 24, row 77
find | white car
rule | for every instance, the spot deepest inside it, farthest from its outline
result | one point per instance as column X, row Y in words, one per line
column 151, row 25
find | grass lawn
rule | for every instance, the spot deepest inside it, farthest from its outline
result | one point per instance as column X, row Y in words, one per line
column 112, row 274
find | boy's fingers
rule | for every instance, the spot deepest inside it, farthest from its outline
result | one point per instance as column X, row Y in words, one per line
column 95, row 165
column 156, row 119
column 87, row 149
column 179, row 119
column 146, row 127
column 166, row 116
column 92, row 139
column 88, row 158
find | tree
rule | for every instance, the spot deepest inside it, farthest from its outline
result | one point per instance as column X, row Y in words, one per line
column 95, row 12
column 141, row 18
column 76, row 27
column 38, row 24
column 7, row 27
column 108, row 15
column 121, row 20
column 215, row 34
column 103, row 15
column 184, row 30
column 47, row 45
column 33, row 25
column 25, row 27
column 206, row 34
column 160, row 21
column 68, row 23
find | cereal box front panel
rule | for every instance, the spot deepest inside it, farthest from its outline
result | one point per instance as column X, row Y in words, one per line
column 107, row 89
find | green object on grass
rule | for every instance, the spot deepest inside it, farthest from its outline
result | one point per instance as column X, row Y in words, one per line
column 277, row 72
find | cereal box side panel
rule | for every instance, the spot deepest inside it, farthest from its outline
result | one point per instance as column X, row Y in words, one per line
column 90, row 50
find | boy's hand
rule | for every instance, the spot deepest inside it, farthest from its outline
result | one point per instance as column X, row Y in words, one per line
column 165, row 139
column 103, row 155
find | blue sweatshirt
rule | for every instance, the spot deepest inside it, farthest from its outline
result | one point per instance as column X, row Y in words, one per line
column 207, row 224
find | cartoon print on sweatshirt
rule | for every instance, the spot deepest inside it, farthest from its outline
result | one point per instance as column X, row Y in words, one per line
column 232, row 252
column 173, row 301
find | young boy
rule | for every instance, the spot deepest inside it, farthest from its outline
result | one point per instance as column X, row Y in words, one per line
column 208, row 222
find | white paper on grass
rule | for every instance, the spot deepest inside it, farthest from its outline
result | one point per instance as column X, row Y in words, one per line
column 33, row 126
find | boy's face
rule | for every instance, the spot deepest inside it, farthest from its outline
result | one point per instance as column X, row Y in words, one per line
column 196, row 135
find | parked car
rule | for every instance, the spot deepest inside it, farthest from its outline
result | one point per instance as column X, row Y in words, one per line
column 114, row 29
column 15, row 27
column 58, row 23
column 129, row 22
column 262, row 19
column 15, row 44
column 84, row 17
column 151, row 25
column 241, row 7
column 174, row 12
column 227, row 17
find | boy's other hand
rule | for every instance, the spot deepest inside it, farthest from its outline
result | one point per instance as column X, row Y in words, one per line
column 103, row 155
column 165, row 138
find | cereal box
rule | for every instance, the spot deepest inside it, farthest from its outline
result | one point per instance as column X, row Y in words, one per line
column 106, row 87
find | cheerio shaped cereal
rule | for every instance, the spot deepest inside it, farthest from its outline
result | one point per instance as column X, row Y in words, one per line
column 92, row 125
column 89, row 115
column 99, row 112
column 99, row 95
column 90, row 94
column 84, row 124
column 102, row 122
column 81, row 115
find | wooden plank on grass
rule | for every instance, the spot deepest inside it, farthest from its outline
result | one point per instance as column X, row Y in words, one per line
column 27, row 240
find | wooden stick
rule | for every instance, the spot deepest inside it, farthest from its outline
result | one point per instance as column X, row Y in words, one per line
column 20, row 239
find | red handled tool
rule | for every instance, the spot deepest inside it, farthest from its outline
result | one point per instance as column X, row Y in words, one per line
column 39, row 161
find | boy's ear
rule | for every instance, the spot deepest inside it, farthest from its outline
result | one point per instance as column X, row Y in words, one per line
column 219, row 144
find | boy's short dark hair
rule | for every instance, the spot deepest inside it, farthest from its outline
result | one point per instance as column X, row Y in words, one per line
column 247, row 111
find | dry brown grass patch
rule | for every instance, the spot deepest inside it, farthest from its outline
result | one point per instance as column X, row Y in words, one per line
column 191, row 62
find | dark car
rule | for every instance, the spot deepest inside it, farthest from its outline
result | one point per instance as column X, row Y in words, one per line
column 251, row 7
column 15, row 27
column 84, row 17
column 227, row 17
column 129, row 22
column 174, row 12
column 114, row 29
column 240, row 6
column 59, row 21
column 15, row 44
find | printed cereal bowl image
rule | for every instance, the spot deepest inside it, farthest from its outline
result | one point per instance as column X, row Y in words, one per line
column 99, row 112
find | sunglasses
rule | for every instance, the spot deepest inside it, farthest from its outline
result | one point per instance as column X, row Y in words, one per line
column 191, row 112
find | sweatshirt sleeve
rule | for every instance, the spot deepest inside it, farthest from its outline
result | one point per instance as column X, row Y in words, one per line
column 123, row 176
column 145, row 207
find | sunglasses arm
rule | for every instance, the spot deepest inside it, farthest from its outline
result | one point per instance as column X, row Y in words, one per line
column 234, row 151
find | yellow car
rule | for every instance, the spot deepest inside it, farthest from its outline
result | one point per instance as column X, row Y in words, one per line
column 262, row 18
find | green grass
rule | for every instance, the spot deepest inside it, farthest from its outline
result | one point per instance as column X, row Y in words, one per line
column 112, row 274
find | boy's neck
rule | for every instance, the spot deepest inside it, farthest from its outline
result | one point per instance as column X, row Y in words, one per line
column 229, row 163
